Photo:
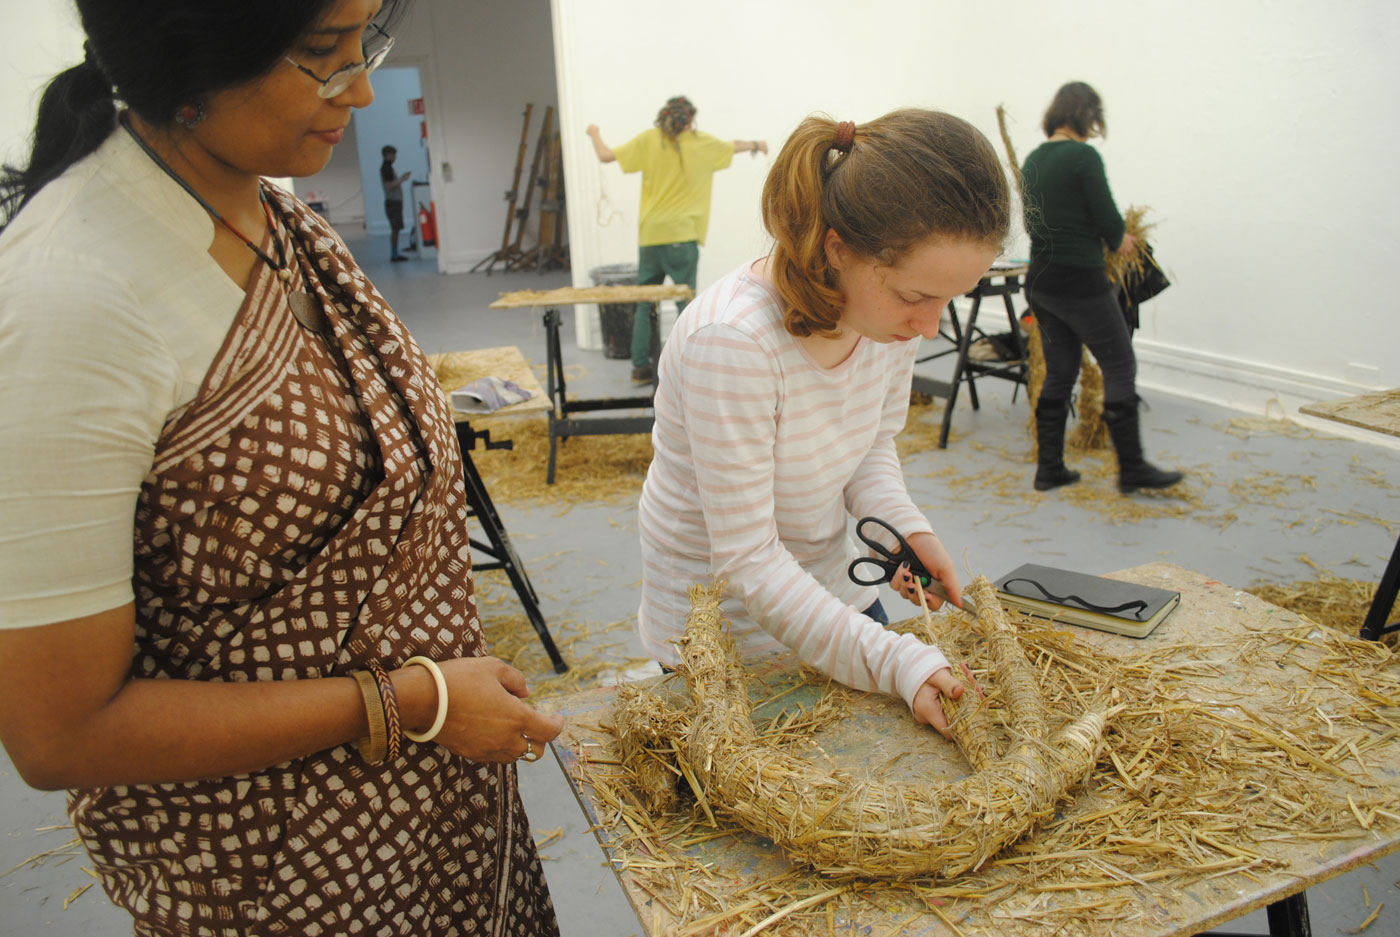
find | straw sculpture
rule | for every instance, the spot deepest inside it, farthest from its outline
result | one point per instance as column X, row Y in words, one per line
column 840, row 824
column 1204, row 785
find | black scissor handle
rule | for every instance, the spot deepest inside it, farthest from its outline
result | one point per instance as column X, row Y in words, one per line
column 884, row 575
column 894, row 560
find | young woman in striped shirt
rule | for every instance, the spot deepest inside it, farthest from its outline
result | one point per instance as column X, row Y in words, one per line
column 783, row 385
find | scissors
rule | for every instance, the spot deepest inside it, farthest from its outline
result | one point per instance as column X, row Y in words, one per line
column 887, row 564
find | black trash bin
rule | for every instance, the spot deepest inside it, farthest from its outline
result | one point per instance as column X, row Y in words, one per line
column 616, row 318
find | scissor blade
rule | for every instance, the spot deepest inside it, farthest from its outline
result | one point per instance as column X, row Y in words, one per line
column 938, row 589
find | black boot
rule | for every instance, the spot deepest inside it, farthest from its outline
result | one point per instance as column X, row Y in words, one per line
column 1050, row 470
column 1134, row 471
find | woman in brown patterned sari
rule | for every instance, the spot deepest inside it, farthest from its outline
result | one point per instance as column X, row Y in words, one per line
column 232, row 518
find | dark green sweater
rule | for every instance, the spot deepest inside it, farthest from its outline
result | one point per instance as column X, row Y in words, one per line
column 1069, row 211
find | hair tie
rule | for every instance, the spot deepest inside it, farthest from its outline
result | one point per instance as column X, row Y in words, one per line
column 845, row 137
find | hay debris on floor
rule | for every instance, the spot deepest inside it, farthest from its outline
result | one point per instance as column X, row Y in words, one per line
column 609, row 469
column 1327, row 599
column 597, row 652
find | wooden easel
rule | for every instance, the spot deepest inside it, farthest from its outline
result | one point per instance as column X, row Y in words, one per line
column 519, row 257
column 550, row 253
column 509, row 253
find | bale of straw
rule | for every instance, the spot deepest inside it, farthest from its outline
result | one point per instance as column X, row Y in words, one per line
column 843, row 825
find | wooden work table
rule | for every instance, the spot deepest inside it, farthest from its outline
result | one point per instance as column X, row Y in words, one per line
column 1199, row 641
column 563, row 419
column 1378, row 412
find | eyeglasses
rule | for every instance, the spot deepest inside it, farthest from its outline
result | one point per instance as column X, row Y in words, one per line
column 374, row 49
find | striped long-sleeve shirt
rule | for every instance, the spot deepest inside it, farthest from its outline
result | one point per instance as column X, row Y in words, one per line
column 762, row 456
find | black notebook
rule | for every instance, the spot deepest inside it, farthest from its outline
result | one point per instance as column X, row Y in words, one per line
column 1091, row 601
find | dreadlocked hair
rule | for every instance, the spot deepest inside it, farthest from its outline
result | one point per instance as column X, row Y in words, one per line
column 675, row 117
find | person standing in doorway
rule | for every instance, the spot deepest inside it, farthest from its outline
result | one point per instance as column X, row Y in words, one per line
column 393, row 199
column 678, row 164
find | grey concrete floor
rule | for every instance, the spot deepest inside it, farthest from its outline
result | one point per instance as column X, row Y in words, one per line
column 1266, row 501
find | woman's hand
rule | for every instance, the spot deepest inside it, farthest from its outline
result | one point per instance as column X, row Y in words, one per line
column 936, row 560
column 486, row 720
column 1129, row 244
column 928, row 701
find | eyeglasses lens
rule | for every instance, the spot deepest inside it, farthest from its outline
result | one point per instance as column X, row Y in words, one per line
column 374, row 50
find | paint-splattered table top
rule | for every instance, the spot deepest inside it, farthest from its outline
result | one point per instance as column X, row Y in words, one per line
column 1379, row 412
column 1245, row 664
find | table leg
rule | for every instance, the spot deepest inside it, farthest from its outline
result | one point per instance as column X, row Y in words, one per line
column 499, row 550
column 1288, row 917
column 963, row 334
column 1023, row 368
column 1386, row 590
column 554, row 385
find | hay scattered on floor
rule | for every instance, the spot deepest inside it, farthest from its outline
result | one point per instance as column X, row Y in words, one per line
column 609, row 469
column 922, row 427
column 597, row 652
column 1096, row 491
column 62, row 854
column 1194, row 784
column 1327, row 599
column 1251, row 427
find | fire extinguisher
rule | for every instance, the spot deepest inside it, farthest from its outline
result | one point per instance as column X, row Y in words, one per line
column 427, row 223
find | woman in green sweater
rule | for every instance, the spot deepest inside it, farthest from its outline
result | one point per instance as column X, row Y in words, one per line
column 1071, row 217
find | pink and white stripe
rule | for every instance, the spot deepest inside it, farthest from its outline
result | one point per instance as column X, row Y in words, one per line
column 762, row 457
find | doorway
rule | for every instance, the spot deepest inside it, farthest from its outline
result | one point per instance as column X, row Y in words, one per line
column 348, row 191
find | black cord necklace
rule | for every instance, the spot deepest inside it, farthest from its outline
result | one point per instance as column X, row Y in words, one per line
column 305, row 309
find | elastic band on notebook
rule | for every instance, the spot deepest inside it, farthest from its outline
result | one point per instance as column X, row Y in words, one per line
column 1137, row 607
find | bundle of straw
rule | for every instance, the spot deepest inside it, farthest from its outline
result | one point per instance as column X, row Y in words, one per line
column 840, row 824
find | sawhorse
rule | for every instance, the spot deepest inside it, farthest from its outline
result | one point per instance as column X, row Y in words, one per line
column 499, row 552
column 1002, row 280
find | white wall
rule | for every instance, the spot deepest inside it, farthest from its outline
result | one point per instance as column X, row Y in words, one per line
column 481, row 63
column 49, row 40
column 1261, row 134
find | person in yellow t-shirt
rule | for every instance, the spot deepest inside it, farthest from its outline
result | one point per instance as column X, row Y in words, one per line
column 678, row 164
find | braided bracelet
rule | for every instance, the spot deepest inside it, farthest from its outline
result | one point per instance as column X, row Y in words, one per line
column 393, row 723
column 375, row 747
column 441, row 683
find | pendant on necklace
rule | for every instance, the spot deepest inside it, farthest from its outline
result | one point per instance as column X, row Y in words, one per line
column 307, row 311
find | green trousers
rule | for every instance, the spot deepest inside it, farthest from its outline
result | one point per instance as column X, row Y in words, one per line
column 655, row 262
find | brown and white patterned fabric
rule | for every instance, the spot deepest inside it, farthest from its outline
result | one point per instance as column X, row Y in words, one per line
column 305, row 514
